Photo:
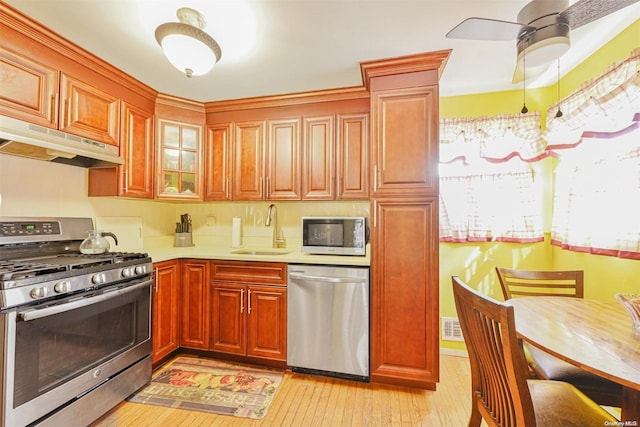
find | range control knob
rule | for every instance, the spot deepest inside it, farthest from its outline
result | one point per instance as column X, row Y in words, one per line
column 128, row 272
column 38, row 292
column 141, row 269
column 62, row 287
column 98, row 279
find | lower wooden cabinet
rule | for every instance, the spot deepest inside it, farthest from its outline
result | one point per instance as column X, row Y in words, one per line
column 166, row 287
column 194, row 316
column 248, row 317
column 404, row 292
column 223, row 306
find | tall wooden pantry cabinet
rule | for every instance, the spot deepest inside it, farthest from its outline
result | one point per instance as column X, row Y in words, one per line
column 404, row 211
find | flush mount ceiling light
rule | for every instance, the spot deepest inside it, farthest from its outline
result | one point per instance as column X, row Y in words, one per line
column 186, row 46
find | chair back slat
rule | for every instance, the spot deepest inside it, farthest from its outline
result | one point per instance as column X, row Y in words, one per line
column 520, row 283
column 496, row 358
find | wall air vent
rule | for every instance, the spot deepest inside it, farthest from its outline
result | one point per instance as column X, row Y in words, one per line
column 451, row 329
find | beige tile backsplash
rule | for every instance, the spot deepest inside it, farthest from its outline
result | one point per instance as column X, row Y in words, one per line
column 36, row 188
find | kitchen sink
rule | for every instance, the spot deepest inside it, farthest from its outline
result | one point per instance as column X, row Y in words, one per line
column 262, row 251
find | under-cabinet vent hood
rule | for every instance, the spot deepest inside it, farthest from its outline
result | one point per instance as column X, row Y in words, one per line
column 24, row 139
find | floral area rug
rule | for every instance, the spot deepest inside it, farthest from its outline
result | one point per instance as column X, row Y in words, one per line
column 211, row 386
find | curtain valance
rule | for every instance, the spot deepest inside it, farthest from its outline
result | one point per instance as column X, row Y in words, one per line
column 494, row 139
column 609, row 103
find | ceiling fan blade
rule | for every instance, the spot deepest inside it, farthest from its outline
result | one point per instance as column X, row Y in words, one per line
column 487, row 29
column 532, row 72
column 583, row 12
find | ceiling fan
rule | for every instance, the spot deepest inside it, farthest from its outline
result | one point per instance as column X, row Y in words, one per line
column 541, row 31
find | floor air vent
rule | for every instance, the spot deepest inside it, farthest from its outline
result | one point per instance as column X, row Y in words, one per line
column 451, row 329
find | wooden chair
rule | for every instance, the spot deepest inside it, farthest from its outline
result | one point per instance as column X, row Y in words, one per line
column 501, row 393
column 520, row 283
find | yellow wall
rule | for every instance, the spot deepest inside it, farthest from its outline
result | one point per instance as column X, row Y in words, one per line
column 474, row 262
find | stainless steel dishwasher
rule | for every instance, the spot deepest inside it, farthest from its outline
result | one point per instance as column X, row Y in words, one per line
column 328, row 320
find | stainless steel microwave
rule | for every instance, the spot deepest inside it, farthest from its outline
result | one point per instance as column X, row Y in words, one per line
column 335, row 235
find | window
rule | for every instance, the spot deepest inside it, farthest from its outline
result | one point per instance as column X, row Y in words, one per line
column 597, row 180
column 597, row 196
column 489, row 187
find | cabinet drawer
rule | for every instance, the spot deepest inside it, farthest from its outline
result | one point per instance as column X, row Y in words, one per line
column 268, row 273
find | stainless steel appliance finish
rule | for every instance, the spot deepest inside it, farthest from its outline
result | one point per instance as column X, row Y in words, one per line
column 328, row 320
column 335, row 235
column 75, row 329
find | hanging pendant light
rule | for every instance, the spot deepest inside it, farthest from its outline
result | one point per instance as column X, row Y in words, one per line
column 186, row 45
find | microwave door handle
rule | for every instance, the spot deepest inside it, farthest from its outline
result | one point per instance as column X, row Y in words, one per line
column 39, row 313
column 328, row 279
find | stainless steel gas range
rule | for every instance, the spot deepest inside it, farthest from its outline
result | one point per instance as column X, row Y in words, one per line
column 75, row 329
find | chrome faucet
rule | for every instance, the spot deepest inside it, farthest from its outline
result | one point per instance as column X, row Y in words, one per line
column 273, row 211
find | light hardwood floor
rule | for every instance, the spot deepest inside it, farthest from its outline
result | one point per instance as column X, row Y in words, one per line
column 309, row 400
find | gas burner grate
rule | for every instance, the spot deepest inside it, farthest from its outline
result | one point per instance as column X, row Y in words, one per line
column 31, row 267
column 14, row 270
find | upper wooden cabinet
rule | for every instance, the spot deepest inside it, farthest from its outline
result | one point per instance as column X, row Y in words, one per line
column 335, row 159
column 180, row 166
column 248, row 160
column 218, row 162
column 135, row 177
column 404, row 141
column 39, row 94
column 318, row 162
column 282, row 173
column 266, row 168
column 28, row 89
column 89, row 112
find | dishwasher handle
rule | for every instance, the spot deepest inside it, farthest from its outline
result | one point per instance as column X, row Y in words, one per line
column 328, row 279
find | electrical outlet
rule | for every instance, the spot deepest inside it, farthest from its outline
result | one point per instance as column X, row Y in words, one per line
column 211, row 220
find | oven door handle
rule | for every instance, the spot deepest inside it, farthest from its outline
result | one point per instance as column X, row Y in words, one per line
column 39, row 313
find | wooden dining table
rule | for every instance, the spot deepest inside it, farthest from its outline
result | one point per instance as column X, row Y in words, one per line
column 596, row 336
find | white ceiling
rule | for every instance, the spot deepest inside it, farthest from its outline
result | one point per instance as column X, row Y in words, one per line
column 304, row 45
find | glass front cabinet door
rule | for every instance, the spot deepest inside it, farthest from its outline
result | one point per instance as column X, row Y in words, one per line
column 180, row 168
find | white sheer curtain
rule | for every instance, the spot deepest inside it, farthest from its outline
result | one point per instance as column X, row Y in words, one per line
column 488, row 188
column 597, row 181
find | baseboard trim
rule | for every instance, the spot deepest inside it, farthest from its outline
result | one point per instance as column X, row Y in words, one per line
column 452, row 352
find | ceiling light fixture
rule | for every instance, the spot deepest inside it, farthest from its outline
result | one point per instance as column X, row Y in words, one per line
column 186, row 46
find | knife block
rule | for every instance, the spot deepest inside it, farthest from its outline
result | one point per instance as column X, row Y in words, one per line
column 183, row 240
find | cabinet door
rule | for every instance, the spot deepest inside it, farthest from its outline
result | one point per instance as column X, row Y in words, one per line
column 405, row 141
column 194, row 332
column 88, row 112
column 135, row 177
column 352, row 157
column 218, row 162
column 165, row 309
column 248, row 161
column 267, row 322
column 228, row 322
column 137, row 150
column 404, row 291
column 28, row 90
column 179, row 161
column 283, row 154
column 318, row 167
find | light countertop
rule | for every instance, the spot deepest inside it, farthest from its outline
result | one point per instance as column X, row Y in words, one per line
column 164, row 251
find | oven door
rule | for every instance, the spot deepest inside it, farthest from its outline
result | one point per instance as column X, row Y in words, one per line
column 55, row 353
